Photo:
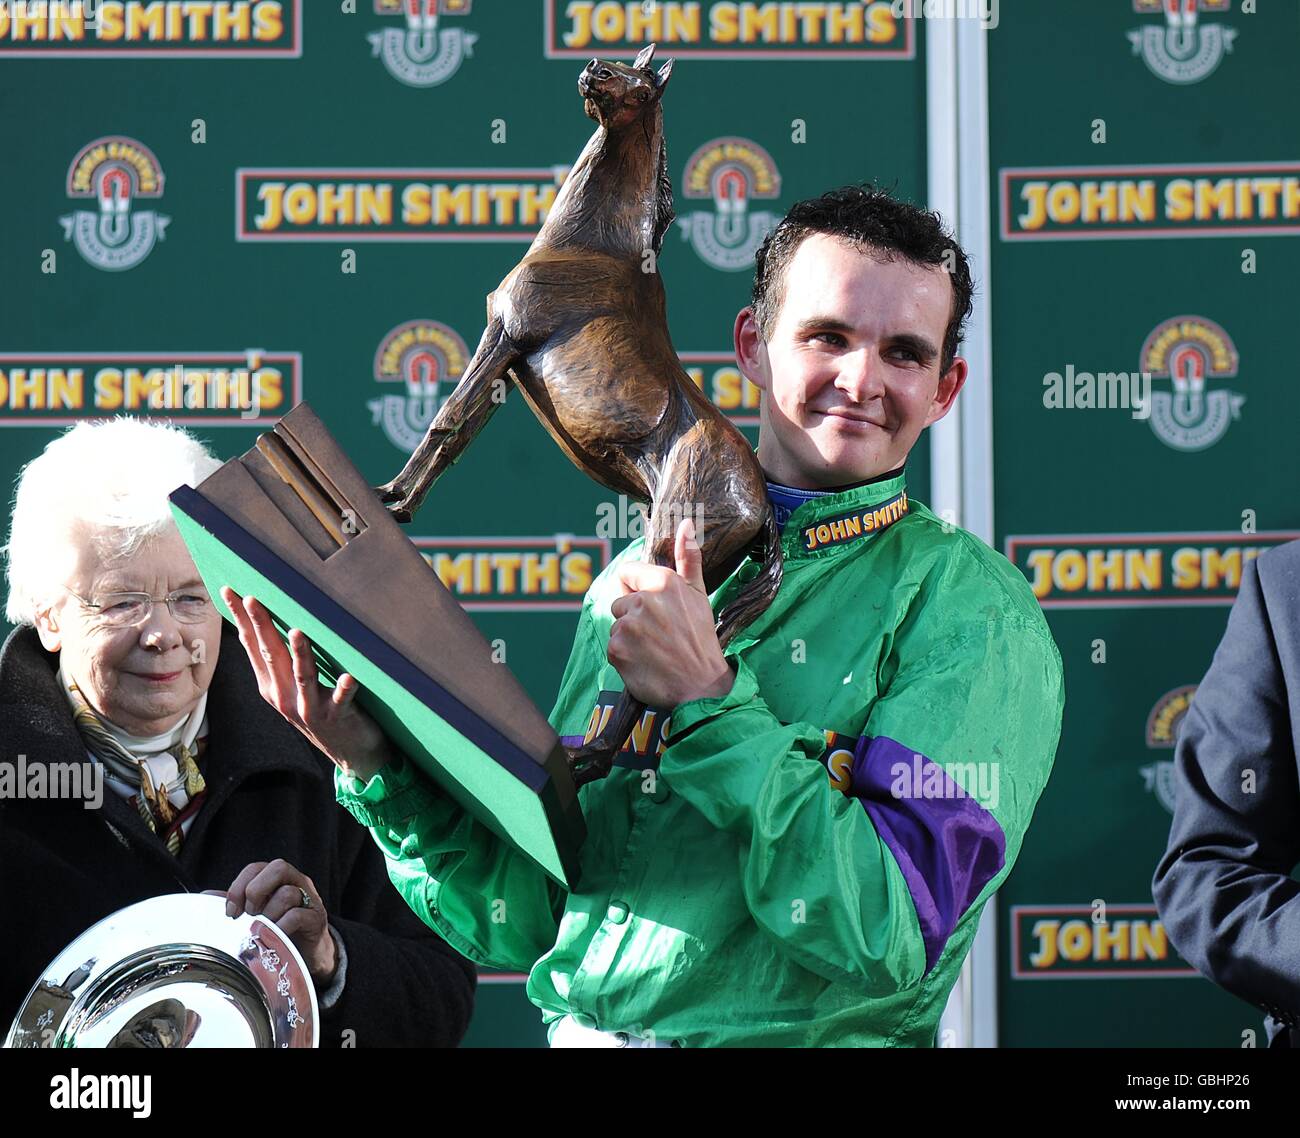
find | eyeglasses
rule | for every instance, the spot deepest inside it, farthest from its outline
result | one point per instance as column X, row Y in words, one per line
column 121, row 610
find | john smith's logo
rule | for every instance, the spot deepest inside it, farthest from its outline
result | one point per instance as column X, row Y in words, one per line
column 1184, row 50
column 420, row 363
column 118, row 174
column 730, row 173
column 422, row 54
column 1190, row 351
column 1161, row 734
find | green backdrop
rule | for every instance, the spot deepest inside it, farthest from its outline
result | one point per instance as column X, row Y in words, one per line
column 1137, row 527
column 422, row 150
column 1143, row 190
column 1144, row 184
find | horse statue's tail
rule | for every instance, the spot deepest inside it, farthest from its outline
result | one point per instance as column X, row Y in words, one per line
column 754, row 598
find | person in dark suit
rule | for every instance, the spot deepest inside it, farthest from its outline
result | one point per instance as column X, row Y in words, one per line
column 1224, row 887
column 121, row 670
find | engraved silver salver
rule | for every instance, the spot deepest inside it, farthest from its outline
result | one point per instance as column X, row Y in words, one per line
column 173, row 971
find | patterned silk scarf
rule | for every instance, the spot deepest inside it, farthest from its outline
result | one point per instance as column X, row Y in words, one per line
column 153, row 803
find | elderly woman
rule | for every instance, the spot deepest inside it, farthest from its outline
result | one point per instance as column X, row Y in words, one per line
column 120, row 660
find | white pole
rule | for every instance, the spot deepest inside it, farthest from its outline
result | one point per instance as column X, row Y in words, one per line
column 977, row 414
column 961, row 444
column 943, row 195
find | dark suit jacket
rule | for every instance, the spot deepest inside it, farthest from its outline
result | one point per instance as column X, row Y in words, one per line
column 1223, row 887
column 270, row 794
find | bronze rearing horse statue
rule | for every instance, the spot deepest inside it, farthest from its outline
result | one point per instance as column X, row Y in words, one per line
column 579, row 326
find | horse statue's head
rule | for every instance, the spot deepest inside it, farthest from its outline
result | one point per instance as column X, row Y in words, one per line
column 616, row 95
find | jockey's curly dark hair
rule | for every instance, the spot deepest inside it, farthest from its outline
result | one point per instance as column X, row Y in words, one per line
column 871, row 217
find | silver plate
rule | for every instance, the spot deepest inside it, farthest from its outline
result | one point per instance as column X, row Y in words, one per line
column 173, row 971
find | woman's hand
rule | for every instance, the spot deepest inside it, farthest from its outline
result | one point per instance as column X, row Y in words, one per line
column 280, row 893
column 287, row 680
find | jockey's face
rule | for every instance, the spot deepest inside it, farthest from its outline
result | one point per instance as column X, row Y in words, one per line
column 850, row 376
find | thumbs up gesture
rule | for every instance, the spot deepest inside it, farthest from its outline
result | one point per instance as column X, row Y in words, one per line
column 662, row 641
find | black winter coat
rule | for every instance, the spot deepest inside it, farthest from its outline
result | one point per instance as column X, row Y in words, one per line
column 270, row 795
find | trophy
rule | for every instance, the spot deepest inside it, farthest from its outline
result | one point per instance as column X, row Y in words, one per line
column 579, row 328
column 173, row 972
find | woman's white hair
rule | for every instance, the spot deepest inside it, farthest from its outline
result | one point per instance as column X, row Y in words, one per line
column 109, row 479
